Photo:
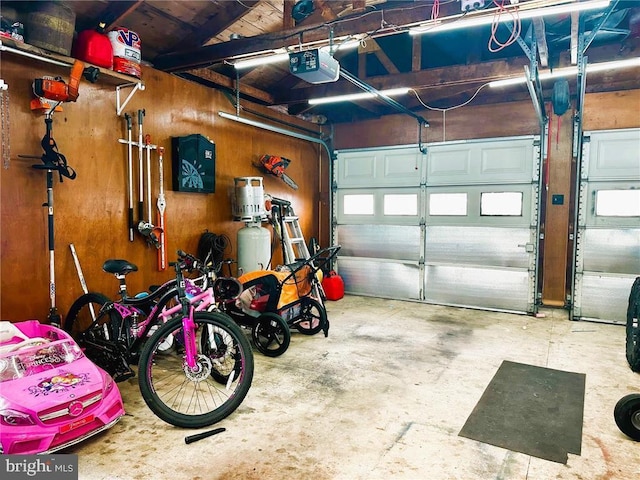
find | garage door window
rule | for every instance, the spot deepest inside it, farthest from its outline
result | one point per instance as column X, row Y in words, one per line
column 448, row 204
column 401, row 204
column 358, row 204
column 618, row 203
column 501, row 204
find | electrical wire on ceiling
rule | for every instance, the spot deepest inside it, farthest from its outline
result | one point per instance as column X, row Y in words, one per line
column 515, row 30
column 357, row 16
column 445, row 110
column 435, row 9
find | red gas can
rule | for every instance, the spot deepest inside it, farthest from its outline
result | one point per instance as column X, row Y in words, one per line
column 94, row 46
column 333, row 286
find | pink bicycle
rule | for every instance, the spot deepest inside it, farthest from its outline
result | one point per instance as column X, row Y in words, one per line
column 195, row 365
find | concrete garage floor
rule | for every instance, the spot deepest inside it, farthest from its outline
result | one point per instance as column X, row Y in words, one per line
column 384, row 396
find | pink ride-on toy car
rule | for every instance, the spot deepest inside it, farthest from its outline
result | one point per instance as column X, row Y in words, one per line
column 51, row 395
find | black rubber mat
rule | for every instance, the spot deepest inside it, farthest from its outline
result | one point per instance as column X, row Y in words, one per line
column 533, row 410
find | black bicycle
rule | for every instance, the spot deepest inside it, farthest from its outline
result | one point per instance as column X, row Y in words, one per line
column 195, row 365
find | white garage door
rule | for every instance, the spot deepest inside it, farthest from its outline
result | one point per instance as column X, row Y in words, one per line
column 455, row 226
column 607, row 253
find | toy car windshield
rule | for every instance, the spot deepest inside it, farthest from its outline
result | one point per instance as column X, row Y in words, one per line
column 36, row 355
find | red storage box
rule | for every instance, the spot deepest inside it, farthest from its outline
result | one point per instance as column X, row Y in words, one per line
column 333, row 286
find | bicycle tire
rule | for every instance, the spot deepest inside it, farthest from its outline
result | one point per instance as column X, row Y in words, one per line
column 217, row 339
column 312, row 318
column 271, row 334
column 194, row 399
column 633, row 327
column 627, row 415
column 79, row 317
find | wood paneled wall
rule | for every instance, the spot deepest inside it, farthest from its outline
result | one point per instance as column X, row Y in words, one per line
column 602, row 111
column 91, row 211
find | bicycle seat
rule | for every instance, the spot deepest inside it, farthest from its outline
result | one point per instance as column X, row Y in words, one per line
column 121, row 267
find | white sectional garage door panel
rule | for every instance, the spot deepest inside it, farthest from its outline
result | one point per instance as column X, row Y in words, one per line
column 424, row 227
column 607, row 256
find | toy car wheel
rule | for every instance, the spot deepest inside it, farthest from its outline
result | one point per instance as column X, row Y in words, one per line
column 271, row 334
column 312, row 318
column 627, row 415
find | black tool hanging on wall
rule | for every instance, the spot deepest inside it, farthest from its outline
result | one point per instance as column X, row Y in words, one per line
column 150, row 232
column 56, row 91
column 52, row 161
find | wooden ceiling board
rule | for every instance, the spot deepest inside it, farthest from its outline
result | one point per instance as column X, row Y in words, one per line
column 265, row 17
column 194, row 37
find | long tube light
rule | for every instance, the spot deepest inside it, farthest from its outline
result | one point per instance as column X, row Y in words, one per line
column 264, row 60
column 487, row 17
column 569, row 71
column 282, row 55
column 358, row 96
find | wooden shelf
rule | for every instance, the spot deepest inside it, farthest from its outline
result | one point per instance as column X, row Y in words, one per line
column 110, row 77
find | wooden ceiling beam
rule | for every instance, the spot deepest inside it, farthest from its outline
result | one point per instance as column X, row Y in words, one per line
column 232, row 12
column 326, row 12
column 116, row 12
column 425, row 79
column 541, row 41
column 463, row 75
column 386, row 61
column 402, row 13
column 223, row 81
column 287, row 15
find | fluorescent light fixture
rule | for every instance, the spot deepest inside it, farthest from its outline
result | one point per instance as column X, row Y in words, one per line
column 341, row 47
column 264, row 60
column 358, row 96
column 569, row 71
column 520, row 10
column 282, row 55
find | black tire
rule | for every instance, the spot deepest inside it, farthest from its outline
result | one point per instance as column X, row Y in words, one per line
column 271, row 334
column 627, row 415
column 195, row 399
column 633, row 327
column 97, row 334
column 312, row 317
column 80, row 318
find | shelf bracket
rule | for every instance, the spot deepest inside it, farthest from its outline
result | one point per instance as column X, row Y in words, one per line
column 120, row 106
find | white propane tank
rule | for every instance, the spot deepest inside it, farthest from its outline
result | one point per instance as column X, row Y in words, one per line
column 249, row 199
column 254, row 248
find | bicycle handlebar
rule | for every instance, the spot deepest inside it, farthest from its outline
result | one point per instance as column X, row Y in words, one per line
column 186, row 261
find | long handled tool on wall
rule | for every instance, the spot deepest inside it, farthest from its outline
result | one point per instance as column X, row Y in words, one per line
column 127, row 118
column 140, row 170
column 162, row 251
column 148, row 148
column 146, row 228
column 52, row 161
